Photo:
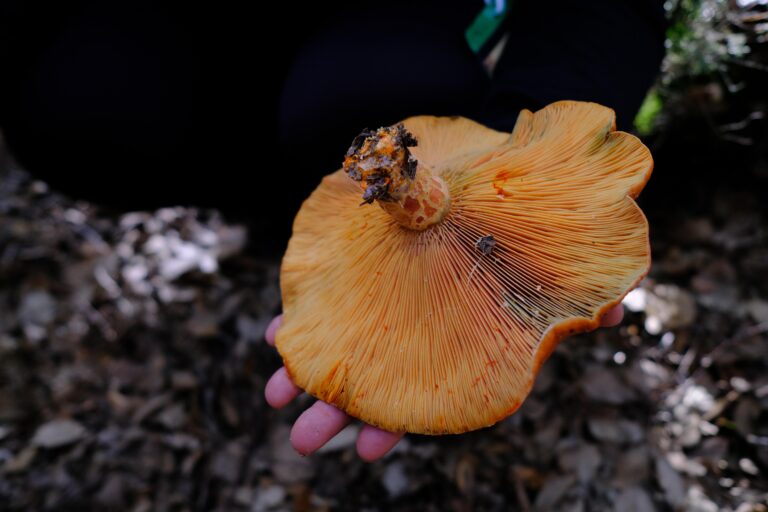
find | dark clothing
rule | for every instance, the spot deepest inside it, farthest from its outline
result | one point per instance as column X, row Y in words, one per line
column 145, row 103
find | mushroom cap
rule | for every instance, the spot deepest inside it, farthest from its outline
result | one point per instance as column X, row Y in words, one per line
column 424, row 332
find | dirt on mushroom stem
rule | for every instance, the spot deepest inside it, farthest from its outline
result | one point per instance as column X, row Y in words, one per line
column 390, row 175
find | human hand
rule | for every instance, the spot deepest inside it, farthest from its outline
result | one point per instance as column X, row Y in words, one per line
column 321, row 422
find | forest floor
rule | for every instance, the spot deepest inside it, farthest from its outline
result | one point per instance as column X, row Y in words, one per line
column 133, row 365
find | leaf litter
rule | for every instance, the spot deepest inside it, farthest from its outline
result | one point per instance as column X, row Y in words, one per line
column 132, row 370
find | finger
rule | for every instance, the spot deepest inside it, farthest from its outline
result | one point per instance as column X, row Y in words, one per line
column 280, row 389
column 316, row 426
column 613, row 317
column 373, row 443
column 272, row 328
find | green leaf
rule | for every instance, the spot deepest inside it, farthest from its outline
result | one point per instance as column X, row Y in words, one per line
column 645, row 121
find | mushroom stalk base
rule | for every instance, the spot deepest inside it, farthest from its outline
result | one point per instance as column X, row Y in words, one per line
column 389, row 174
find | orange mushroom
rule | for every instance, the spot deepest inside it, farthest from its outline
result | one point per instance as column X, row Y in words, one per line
column 434, row 312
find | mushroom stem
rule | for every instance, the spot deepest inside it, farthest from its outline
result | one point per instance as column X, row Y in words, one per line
column 389, row 174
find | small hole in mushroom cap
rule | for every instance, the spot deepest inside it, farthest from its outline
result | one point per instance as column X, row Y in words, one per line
column 486, row 244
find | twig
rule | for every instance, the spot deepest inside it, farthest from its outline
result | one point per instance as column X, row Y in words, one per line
column 520, row 494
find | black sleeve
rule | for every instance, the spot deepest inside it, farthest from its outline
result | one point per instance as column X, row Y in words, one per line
column 27, row 27
column 606, row 51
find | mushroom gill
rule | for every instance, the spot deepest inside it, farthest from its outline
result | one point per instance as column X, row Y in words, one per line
column 440, row 326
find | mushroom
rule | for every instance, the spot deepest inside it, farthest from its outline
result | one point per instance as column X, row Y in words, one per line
column 433, row 312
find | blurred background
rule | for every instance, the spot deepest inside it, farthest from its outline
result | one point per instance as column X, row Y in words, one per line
column 132, row 359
